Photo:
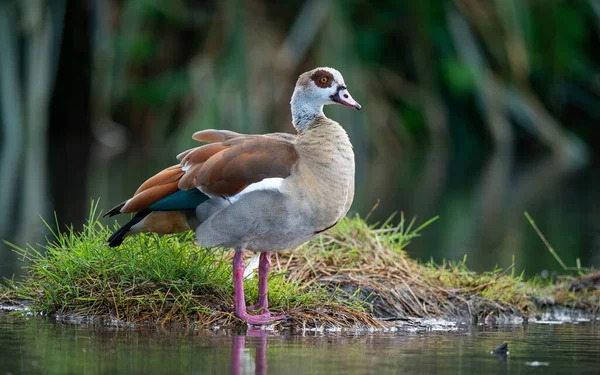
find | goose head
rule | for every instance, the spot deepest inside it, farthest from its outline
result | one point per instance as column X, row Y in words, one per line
column 316, row 88
column 325, row 86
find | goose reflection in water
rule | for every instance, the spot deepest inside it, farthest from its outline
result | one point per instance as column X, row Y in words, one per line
column 241, row 361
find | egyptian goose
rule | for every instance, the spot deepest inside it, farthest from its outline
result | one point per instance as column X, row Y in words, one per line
column 263, row 193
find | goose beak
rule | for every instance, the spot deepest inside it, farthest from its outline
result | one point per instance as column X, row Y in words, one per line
column 342, row 96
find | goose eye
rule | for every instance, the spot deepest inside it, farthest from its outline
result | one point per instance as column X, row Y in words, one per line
column 324, row 80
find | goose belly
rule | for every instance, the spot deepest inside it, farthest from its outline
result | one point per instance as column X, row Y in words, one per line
column 309, row 219
column 264, row 221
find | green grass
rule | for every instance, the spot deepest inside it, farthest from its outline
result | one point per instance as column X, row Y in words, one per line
column 148, row 277
column 500, row 286
column 337, row 279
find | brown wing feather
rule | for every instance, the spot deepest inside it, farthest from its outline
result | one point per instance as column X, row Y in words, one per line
column 149, row 196
column 237, row 162
column 212, row 135
column 224, row 167
column 168, row 175
column 200, row 154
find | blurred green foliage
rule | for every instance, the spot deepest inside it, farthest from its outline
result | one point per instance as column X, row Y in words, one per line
column 403, row 53
column 453, row 78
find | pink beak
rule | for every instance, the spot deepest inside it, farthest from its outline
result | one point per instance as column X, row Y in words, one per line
column 342, row 96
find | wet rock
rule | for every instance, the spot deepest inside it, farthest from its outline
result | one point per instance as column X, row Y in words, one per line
column 14, row 305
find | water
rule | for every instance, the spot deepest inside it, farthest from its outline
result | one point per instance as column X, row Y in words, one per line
column 39, row 346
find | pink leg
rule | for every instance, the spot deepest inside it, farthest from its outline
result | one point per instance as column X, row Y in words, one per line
column 263, row 276
column 239, row 301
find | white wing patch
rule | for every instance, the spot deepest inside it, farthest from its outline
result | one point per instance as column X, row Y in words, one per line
column 273, row 183
column 209, row 194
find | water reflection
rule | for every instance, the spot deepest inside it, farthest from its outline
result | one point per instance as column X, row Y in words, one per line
column 481, row 202
column 43, row 346
column 241, row 361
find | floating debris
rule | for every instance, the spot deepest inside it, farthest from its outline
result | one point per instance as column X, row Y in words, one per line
column 501, row 349
column 537, row 364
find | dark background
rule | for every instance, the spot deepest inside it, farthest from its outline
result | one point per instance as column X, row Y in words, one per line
column 473, row 110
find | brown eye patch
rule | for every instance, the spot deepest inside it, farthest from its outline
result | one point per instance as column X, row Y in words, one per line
column 322, row 78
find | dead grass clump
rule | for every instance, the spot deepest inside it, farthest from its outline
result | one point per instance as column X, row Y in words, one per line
column 368, row 263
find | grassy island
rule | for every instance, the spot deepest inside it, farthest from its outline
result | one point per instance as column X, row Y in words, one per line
column 355, row 275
